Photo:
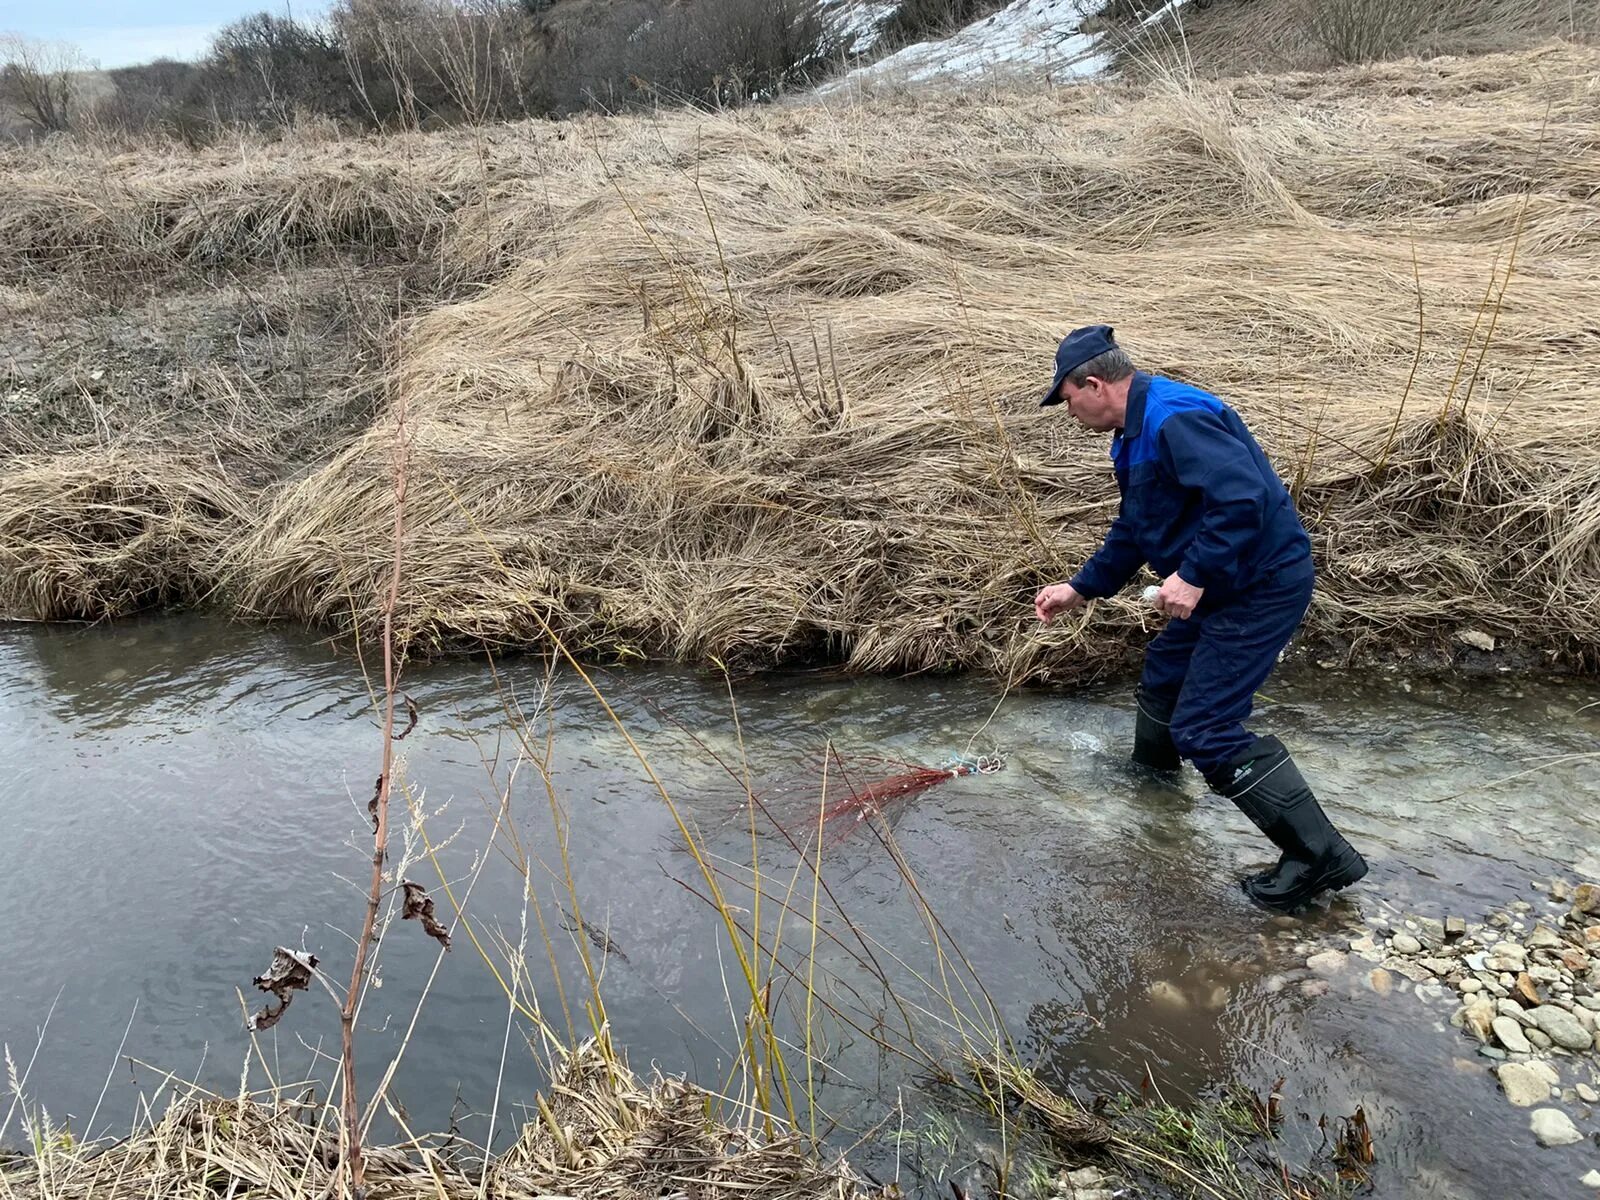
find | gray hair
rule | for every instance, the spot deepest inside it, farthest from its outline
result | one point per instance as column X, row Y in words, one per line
column 1112, row 366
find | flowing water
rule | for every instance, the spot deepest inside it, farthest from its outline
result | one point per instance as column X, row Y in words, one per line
column 183, row 794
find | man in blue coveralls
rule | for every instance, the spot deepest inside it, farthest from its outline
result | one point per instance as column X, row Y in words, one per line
column 1202, row 505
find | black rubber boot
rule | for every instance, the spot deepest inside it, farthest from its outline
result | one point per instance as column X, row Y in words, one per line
column 1269, row 789
column 1152, row 732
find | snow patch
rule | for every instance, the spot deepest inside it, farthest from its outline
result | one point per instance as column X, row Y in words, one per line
column 1036, row 37
column 1171, row 6
column 857, row 26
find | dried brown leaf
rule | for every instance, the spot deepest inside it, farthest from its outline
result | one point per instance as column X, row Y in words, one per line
column 419, row 907
column 290, row 972
column 412, row 715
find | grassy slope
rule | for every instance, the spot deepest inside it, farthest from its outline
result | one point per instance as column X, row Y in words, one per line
column 760, row 385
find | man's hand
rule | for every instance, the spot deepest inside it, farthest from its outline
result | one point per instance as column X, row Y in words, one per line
column 1054, row 600
column 1177, row 597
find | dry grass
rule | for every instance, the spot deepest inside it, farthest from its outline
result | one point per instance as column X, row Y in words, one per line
column 601, row 1133
column 761, row 385
column 97, row 535
column 1232, row 37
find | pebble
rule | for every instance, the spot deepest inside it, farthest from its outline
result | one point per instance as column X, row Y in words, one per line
column 1592, row 1003
column 1439, row 966
column 1586, row 898
column 1539, row 1038
column 1510, row 1035
column 1544, row 938
column 1404, row 943
column 1591, row 1180
column 1454, row 927
column 1430, row 932
column 1491, row 1052
column 1587, row 1094
column 1380, row 981
column 1479, row 1017
column 1314, row 988
column 1478, row 961
column 1552, row 1127
column 1562, row 1027
column 1166, row 993
column 1326, row 963
column 1510, row 1008
column 1525, row 1084
column 1526, row 989
column 1085, row 1177
column 1521, row 906
column 1589, row 1020
column 1468, row 986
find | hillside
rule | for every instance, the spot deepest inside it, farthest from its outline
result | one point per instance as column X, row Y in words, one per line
column 761, row 385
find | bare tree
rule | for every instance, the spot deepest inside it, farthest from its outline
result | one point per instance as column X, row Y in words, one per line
column 37, row 79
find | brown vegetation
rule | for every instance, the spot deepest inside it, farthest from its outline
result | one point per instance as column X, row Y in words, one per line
column 1228, row 37
column 607, row 1135
column 761, row 385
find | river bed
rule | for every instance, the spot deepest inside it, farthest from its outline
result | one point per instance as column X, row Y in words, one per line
column 184, row 794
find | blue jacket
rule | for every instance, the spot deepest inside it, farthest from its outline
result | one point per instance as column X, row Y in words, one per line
column 1198, row 497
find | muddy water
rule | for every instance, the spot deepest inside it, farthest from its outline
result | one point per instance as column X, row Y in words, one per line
column 181, row 795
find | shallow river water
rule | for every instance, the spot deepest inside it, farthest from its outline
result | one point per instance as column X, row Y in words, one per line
column 182, row 794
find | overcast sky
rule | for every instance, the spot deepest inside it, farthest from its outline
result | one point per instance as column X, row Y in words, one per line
column 118, row 32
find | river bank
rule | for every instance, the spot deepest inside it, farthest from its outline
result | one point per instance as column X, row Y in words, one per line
column 728, row 387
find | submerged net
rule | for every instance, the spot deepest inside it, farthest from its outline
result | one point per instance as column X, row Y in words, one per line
column 838, row 800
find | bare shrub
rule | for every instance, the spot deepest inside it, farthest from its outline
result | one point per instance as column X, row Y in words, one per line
column 713, row 53
column 38, row 79
column 1358, row 31
column 146, row 98
column 265, row 69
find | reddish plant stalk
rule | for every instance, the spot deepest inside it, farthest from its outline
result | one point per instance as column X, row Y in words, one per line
column 380, row 833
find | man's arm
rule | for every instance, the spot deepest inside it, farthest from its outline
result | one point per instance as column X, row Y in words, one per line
column 1107, row 572
column 1206, row 458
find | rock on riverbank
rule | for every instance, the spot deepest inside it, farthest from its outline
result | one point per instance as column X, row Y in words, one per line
column 1527, row 985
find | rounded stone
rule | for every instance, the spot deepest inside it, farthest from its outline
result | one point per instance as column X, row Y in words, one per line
column 1561, row 1027
column 1525, row 1085
column 1326, row 963
column 1509, row 1034
column 1552, row 1127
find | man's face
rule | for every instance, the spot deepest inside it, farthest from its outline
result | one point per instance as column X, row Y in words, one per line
column 1091, row 405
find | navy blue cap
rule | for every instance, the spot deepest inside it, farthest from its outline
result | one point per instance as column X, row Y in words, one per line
column 1077, row 348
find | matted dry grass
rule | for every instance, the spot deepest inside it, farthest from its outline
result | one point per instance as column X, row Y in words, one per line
column 600, row 1133
column 761, row 385
column 97, row 535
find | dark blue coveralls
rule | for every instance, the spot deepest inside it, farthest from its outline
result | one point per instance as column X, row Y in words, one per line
column 1200, row 498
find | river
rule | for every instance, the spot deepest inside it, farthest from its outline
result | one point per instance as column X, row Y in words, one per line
column 182, row 794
